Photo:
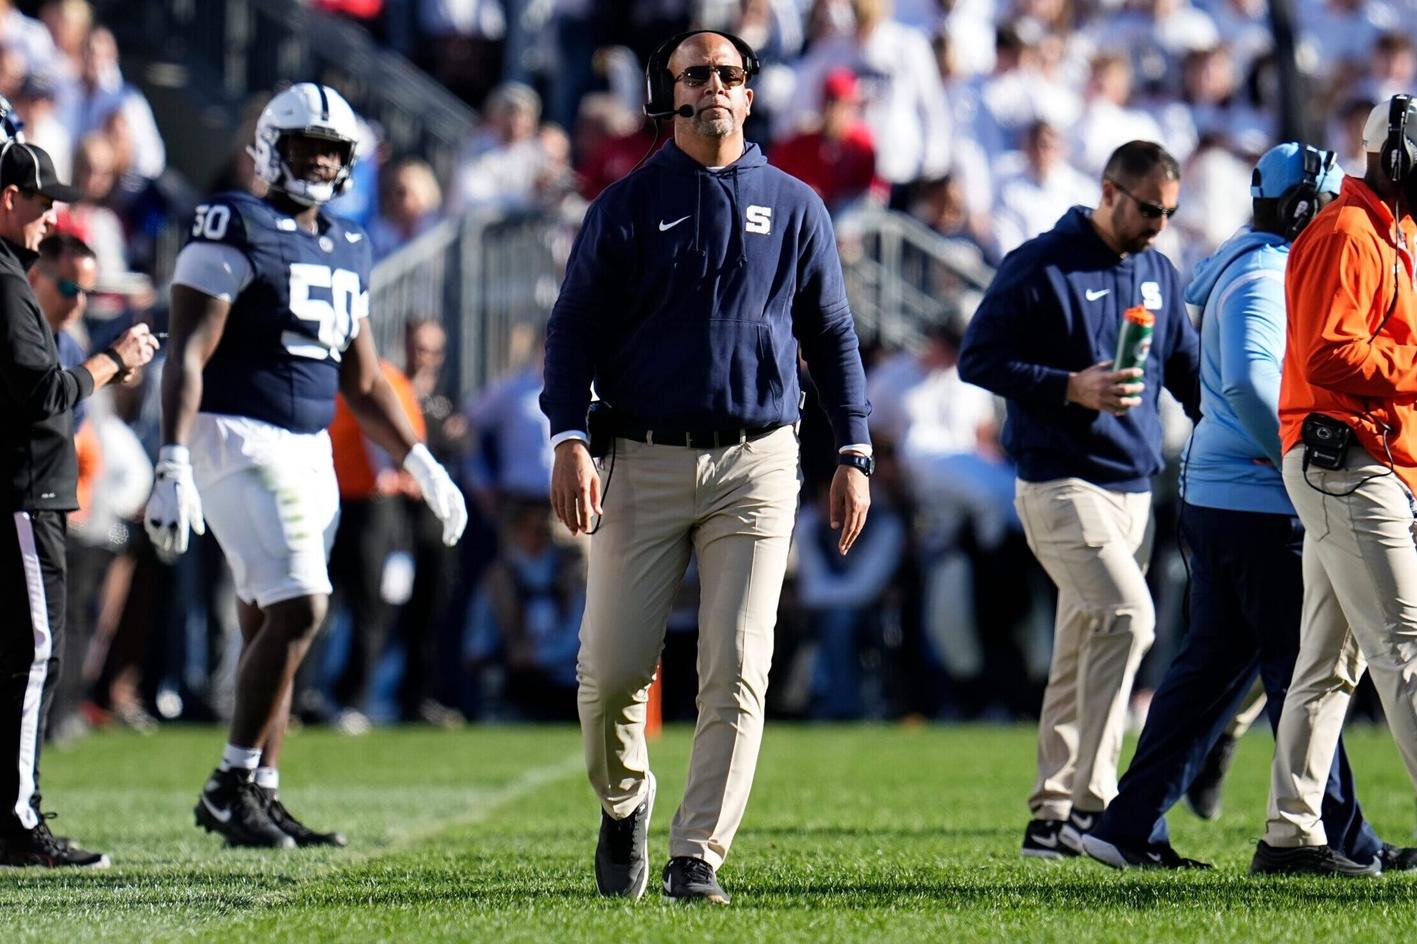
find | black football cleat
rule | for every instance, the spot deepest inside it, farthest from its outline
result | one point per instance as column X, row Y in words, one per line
column 1309, row 860
column 622, row 853
column 303, row 835
column 40, row 848
column 232, row 805
column 687, row 880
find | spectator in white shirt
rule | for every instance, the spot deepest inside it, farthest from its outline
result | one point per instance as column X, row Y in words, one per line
column 1107, row 122
column 1032, row 199
column 506, row 158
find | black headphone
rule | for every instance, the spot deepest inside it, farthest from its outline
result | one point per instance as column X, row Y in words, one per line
column 1296, row 207
column 659, row 84
column 1398, row 154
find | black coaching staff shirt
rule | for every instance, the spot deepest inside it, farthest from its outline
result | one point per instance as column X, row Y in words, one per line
column 37, row 396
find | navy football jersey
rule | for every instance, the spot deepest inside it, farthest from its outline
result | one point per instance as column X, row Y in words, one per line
column 278, row 360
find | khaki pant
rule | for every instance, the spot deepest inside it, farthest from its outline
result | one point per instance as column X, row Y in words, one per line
column 1360, row 611
column 1094, row 544
column 733, row 506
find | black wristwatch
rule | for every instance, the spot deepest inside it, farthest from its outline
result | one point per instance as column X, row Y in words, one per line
column 867, row 464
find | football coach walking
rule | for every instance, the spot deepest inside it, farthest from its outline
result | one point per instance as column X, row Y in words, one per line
column 37, row 398
column 689, row 290
column 1087, row 440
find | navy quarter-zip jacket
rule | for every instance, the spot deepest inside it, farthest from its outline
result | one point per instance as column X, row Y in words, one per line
column 687, row 294
column 1055, row 307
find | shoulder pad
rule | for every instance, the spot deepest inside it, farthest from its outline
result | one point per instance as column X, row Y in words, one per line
column 222, row 219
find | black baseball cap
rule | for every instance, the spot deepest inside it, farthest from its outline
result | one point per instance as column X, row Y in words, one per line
column 28, row 167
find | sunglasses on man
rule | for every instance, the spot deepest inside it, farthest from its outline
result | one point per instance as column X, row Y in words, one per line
column 67, row 287
column 698, row 76
column 1152, row 211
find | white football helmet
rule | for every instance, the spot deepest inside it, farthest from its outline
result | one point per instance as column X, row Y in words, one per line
column 316, row 111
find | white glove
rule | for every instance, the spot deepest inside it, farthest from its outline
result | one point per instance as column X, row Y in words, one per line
column 174, row 506
column 443, row 497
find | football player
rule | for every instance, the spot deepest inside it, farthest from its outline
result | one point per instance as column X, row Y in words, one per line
column 269, row 297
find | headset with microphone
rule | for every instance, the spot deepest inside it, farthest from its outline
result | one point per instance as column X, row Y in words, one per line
column 659, row 84
column 1298, row 205
column 1398, row 155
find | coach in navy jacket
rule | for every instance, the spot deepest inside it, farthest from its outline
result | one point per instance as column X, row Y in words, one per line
column 1087, row 441
column 690, row 289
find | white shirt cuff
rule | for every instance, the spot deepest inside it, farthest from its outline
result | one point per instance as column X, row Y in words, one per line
column 863, row 449
column 569, row 435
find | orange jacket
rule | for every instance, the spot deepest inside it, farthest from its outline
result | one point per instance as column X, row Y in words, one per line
column 1338, row 287
column 354, row 465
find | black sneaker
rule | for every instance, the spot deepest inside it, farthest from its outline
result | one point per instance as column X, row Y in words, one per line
column 1041, row 840
column 1078, row 824
column 1203, row 795
column 1308, row 860
column 622, row 853
column 292, row 827
column 688, row 879
column 1397, row 858
column 231, row 804
column 1120, row 857
column 40, row 847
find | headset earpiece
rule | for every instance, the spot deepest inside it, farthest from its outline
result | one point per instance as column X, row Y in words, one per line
column 659, row 84
column 1397, row 155
column 1298, row 206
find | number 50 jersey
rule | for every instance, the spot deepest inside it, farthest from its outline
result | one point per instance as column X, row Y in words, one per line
column 296, row 302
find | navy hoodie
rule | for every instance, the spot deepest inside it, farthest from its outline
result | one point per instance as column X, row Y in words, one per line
column 687, row 294
column 1055, row 307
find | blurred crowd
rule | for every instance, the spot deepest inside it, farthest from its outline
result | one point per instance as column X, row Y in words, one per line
column 983, row 119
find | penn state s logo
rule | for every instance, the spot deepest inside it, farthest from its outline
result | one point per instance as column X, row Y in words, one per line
column 759, row 220
column 1151, row 295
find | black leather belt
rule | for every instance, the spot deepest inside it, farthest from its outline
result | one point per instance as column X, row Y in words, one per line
column 690, row 438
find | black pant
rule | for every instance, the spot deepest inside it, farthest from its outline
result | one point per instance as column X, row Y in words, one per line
column 32, row 574
column 1247, row 591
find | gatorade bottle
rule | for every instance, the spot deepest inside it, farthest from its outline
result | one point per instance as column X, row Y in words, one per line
column 1134, row 339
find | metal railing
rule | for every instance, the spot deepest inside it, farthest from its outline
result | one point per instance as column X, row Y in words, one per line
column 244, row 47
column 902, row 276
column 493, row 282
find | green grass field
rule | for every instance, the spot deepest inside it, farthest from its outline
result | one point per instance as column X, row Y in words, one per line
column 854, row 833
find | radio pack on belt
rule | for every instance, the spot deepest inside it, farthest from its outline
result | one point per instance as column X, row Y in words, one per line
column 601, row 429
column 1326, row 441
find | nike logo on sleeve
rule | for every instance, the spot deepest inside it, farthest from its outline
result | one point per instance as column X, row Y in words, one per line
column 664, row 226
column 1094, row 296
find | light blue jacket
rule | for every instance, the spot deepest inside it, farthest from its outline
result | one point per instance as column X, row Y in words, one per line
column 1232, row 461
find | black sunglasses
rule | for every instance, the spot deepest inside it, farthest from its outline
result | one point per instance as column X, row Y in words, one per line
column 67, row 287
column 697, row 76
column 1152, row 211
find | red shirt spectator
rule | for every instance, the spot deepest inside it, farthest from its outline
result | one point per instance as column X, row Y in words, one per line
column 838, row 160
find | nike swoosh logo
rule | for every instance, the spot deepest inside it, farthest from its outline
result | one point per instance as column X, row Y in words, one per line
column 1047, row 842
column 1081, row 822
column 223, row 816
column 664, row 226
column 354, row 237
column 1094, row 296
column 1154, row 856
